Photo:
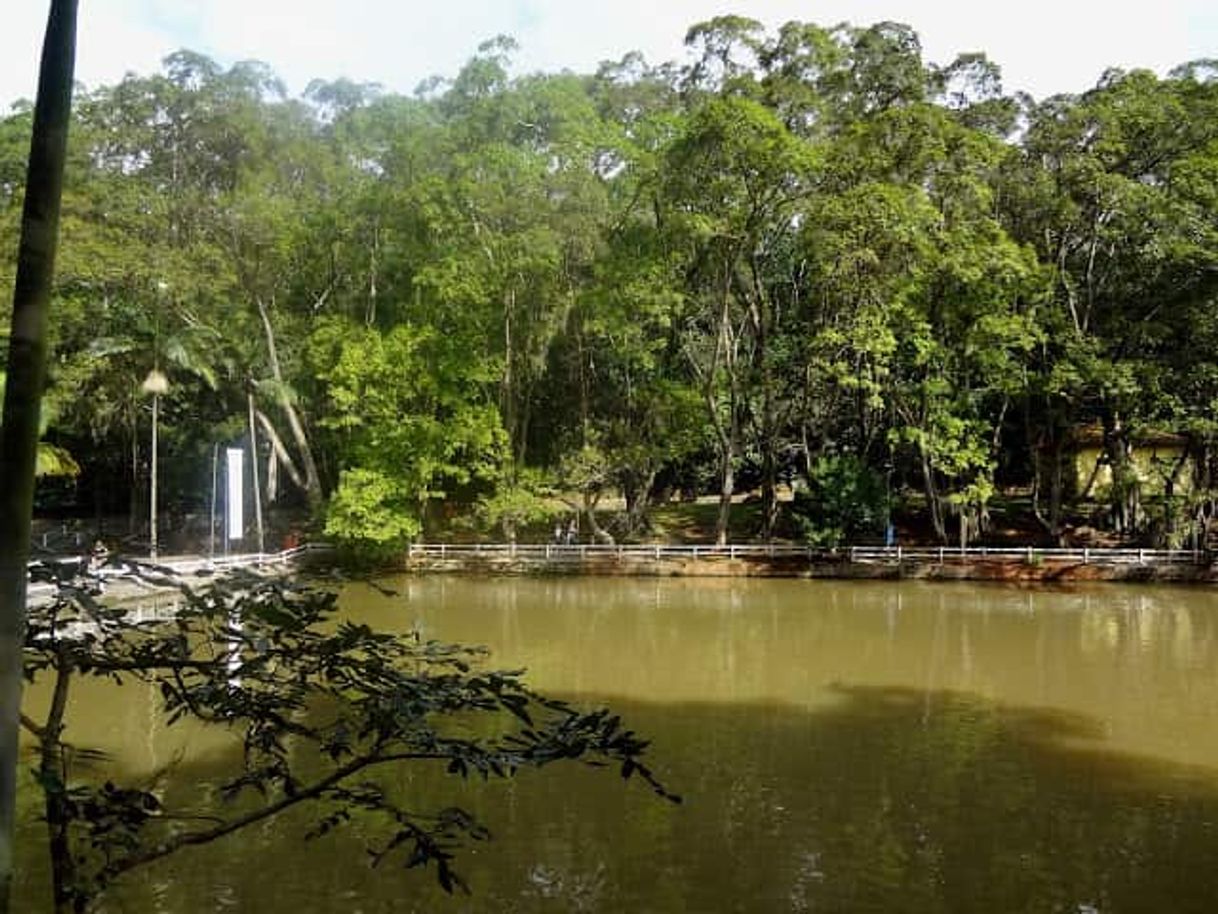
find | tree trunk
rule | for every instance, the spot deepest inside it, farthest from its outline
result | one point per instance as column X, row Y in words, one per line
column 133, row 497
column 769, row 492
column 254, row 468
column 727, row 483
column 933, row 502
column 584, row 410
column 279, row 452
column 759, row 312
column 1049, row 520
column 1052, row 445
column 728, row 444
column 524, row 417
column 1204, row 483
column 1124, row 497
column 26, row 369
column 638, row 500
column 729, row 437
column 312, row 480
column 599, row 533
column 507, row 394
column 768, row 442
column 370, row 319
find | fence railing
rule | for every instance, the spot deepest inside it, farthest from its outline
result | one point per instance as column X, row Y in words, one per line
column 561, row 553
column 575, row 554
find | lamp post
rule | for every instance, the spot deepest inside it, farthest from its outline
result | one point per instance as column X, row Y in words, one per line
column 156, row 384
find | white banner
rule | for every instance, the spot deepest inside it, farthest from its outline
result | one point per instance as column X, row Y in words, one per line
column 236, row 492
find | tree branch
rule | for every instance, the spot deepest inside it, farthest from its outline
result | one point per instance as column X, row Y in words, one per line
column 312, row 792
column 281, row 452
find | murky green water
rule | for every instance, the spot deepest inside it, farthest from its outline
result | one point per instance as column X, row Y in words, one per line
column 841, row 747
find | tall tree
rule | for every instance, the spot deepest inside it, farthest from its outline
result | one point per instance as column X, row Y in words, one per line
column 734, row 181
column 1114, row 190
column 26, row 369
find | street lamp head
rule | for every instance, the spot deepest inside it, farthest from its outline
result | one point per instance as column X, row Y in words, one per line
column 156, row 383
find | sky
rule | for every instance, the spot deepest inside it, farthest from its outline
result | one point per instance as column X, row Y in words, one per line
column 1043, row 46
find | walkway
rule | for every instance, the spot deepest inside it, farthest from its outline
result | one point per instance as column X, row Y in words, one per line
column 125, row 576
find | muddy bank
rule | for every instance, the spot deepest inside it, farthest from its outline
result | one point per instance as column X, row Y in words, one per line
column 1048, row 571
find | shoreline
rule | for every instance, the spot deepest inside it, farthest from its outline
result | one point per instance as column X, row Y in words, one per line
column 1027, row 566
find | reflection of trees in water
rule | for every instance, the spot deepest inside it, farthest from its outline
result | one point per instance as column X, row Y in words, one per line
column 890, row 800
column 1145, row 624
column 781, row 640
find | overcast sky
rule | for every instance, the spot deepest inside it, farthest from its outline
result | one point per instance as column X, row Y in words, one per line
column 1043, row 46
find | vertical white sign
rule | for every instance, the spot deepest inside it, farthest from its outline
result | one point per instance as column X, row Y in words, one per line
column 236, row 492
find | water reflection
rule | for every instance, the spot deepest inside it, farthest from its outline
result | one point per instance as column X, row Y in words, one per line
column 866, row 747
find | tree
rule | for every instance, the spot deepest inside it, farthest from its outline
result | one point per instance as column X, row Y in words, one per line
column 733, row 181
column 408, row 407
column 823, row 243
column 319, row 705
column 1113, row 190
column 25, row 369
column 846, row 499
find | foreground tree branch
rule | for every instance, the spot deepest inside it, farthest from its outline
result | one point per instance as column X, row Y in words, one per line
column 314, row 701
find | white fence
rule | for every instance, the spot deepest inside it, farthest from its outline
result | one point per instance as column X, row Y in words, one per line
column 121, row 573
column 866, row 554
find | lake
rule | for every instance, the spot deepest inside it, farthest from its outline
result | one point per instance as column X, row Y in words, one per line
column 840, row 746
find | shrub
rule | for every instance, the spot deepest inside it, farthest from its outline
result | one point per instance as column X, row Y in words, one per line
column 845, row 500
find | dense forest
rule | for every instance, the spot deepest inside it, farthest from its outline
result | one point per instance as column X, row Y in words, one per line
column 807, row 258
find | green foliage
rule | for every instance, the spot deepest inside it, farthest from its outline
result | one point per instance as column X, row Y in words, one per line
column 845, row 500
column 406, row 404
column 807, row 241
column 372, row 514
column 526, row 501
column 51, row 459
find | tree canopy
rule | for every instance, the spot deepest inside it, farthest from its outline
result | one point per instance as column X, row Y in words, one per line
column 805, row 245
